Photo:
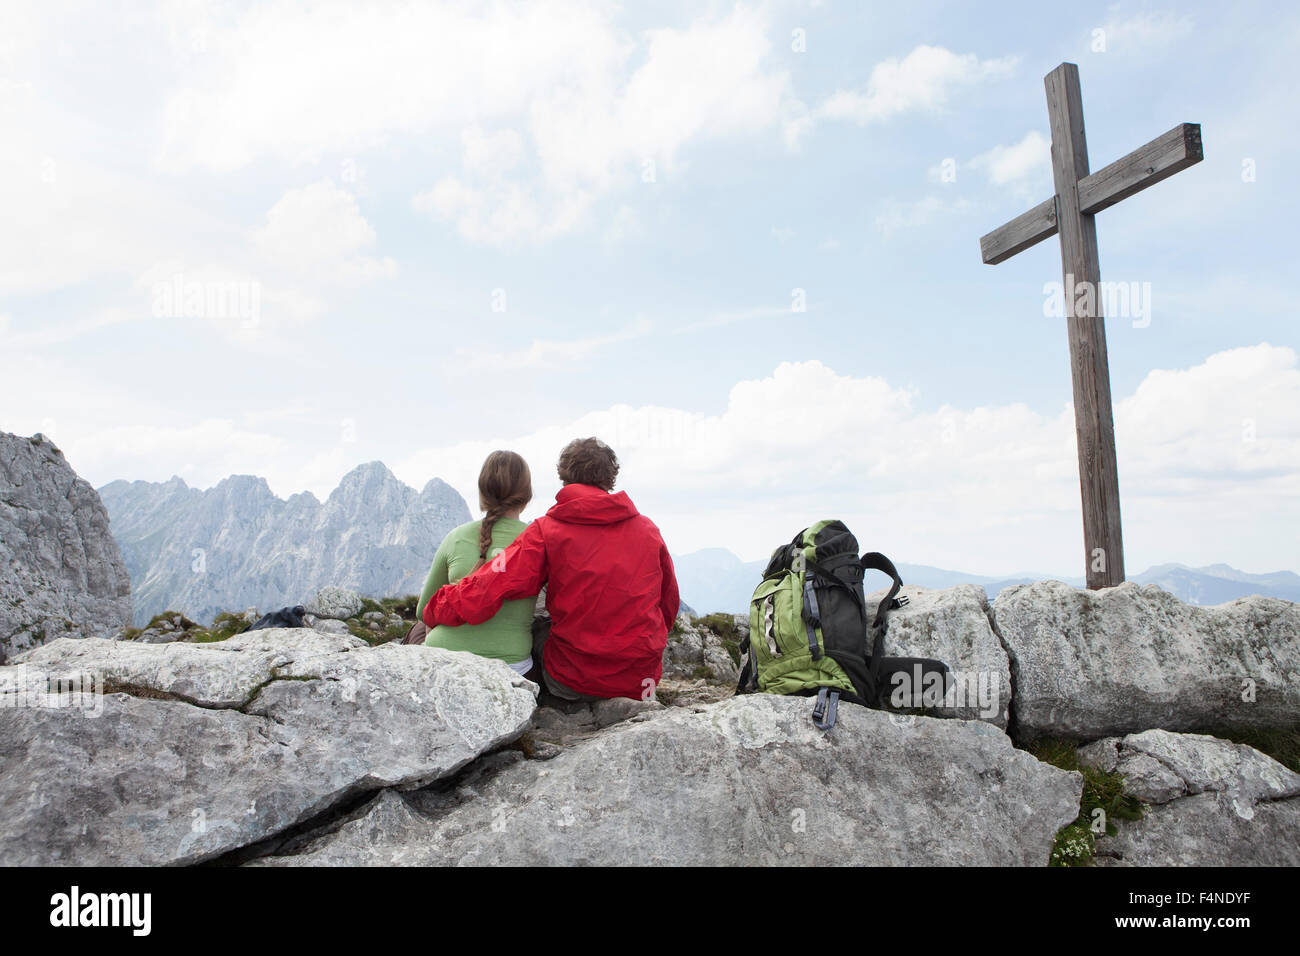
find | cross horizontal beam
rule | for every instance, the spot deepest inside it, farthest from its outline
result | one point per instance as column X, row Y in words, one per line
column 1145, row 166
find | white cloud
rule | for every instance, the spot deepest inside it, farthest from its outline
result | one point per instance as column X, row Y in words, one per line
column 1030, row 157
column 554, row 83
column 71, row 219
column 205, row 446
column 704, row 81
column 899, row 216
column 491, row 154
column 1225, row 421
column 295, row 82
column 798, row 120
column 112, row 427
column 1143, row 32
column 318, row 232
column 46, row 333
column 70, row 216
column 501, row 212
column 922, row 80
column 498, row 209
column 311, row 241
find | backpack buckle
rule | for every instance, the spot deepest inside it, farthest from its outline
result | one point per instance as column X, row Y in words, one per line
column 902, row 601
column 826, row 708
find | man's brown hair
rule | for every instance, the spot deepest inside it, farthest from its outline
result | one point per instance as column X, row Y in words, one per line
column 588, row 461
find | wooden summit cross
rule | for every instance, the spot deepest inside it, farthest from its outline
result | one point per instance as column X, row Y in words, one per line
column 1070, row 213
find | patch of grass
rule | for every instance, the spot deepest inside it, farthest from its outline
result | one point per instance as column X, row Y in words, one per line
column 733, row 651
column 1074, row 845
column 368, row 605
column 1062, row 754
column 665, row 695
column 402, row 606
column 131, row 633
column 223, row 627
column 704, row 672
column 166, row 618
column 724, row 626
column 1282, row 744
column 227, row 624
column 357, row 629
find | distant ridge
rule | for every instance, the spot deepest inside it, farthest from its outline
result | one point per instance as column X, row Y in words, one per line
column 237, row 545
column 1217, row 583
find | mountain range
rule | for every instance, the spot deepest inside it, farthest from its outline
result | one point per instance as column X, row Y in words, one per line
column 238, row 545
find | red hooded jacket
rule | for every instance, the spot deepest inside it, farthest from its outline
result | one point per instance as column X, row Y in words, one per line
column 610, row 590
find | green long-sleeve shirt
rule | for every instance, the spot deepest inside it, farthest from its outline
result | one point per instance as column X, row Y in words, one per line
column 508, row 635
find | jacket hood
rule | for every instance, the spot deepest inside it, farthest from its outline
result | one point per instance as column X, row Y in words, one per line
column 587, row 504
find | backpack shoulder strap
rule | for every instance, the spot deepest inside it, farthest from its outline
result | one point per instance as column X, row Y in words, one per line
column 875, row 561
column 748, row 673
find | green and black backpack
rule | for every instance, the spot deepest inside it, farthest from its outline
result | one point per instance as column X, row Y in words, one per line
column 811, row 630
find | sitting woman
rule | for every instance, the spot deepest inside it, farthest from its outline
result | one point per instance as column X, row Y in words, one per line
column 505, row 486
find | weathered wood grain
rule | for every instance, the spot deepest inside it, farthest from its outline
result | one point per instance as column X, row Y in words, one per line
column 1019, row 234
column 1157, row 160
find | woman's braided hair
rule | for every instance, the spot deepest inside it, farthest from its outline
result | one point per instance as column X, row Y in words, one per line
column 504, row 484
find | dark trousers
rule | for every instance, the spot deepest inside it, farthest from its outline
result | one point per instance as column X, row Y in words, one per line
column 538, row 675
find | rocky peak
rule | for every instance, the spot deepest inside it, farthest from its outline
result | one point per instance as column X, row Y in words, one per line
column 61, row 572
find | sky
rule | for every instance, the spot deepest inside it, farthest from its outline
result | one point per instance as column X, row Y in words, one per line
column 738, row 241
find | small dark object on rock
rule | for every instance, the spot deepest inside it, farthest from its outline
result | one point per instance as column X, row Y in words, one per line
column 285, row 617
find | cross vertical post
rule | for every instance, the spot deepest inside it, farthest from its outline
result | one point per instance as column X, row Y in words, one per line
column 1094, row 423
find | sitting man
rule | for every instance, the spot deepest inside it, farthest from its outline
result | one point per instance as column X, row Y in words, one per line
column 610, row 587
